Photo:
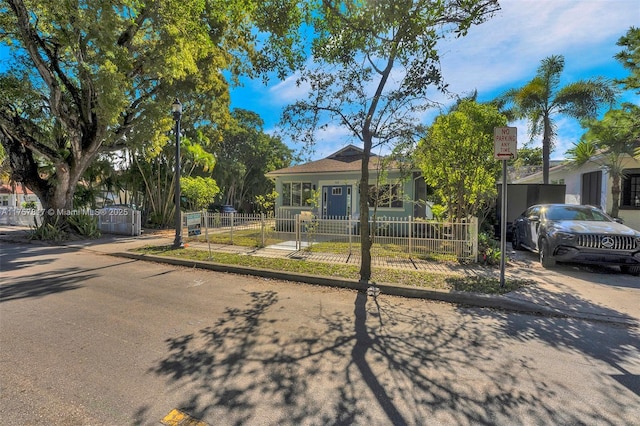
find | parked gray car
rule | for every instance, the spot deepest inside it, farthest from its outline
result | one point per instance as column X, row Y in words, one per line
column 572, row 233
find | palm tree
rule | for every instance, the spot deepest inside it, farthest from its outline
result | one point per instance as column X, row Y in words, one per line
column 607, row 143
column 541, row 98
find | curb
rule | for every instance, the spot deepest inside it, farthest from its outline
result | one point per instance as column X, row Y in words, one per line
column 459, row 298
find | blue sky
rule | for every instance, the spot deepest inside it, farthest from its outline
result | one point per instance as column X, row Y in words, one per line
column 500, row 54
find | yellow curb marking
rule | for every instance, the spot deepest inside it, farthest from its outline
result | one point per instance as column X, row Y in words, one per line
column 178, row 418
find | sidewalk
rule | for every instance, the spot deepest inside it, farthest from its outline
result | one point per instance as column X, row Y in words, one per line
column 550, row 296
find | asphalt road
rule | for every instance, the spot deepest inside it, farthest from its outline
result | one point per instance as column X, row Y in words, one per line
column 89, row 339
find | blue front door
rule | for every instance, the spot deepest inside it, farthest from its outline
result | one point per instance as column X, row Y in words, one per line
column 334, row 200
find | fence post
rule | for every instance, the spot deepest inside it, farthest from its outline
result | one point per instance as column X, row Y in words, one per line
column 205, row 216
column 231, row 230
column 262, row 229
column 474, row 238
column 133, row 222
column 350, row 226
column 297, row 231
column 410, row 236
column 206, row 223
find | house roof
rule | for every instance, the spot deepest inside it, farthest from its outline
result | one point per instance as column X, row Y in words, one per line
column 6, row 189
column 348, row 159
column 538, row 175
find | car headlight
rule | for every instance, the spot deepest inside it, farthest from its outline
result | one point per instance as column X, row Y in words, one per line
column 564, row 235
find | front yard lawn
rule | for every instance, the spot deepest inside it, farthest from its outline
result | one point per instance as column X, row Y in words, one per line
column 438, row 281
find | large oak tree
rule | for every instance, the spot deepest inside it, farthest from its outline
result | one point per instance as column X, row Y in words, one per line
column 99, row 75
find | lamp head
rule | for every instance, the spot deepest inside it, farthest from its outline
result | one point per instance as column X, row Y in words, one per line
column 176, row 108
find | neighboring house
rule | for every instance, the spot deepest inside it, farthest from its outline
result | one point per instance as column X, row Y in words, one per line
column 516, row 173
column 591, row 184
column 333, row 182
column 15, row 197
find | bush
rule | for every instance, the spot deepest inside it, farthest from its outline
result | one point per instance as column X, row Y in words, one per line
column 31, row 205
column 49, row 232
column 85, row 225
column 488, row 249
column 82, row 225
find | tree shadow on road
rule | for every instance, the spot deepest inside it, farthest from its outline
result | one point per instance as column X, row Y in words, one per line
column 44, row 284
column 14, row 286
column 381, row 363
column 28, row 256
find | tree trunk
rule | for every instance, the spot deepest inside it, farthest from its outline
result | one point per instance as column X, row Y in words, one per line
column 546, row 150
column 615, row 194
column 365, row 233
column 57, row 200
column 56, row 191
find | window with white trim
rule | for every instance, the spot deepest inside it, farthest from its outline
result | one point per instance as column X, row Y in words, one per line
column 388, row 195
column 630, row 194
column 296, row 194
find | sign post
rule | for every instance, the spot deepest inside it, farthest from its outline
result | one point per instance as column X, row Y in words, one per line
column 505, row 147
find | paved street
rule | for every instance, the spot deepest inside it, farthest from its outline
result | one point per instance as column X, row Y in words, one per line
column 93, row 339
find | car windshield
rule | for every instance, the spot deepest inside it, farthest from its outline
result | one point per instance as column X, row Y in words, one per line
column 575, row 213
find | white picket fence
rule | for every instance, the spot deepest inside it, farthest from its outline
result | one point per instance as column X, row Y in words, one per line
column 414, row 237
column 111, row 220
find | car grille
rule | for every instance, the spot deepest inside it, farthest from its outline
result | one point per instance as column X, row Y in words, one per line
column 607, row 242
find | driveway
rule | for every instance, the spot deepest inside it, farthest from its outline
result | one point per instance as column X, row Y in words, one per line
column 583, row 288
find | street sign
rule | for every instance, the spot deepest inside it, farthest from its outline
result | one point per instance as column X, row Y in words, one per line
column 193, row 223
column 505, row 143
column 505, row 147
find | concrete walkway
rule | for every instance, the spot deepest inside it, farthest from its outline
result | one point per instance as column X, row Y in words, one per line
column 602, row 294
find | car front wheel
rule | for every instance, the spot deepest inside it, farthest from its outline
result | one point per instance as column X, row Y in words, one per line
column 515, row 240
column 546, row 259
column 632, row 270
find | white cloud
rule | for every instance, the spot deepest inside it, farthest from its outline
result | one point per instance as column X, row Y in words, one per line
column 287, row 91
column 508, row 48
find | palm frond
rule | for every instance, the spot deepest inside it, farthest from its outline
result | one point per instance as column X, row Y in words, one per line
column 584, row 98
column 549, row 71
column 582, row 152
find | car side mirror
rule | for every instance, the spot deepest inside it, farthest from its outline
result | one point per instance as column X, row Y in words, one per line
column 534, row 218
column 618, row 220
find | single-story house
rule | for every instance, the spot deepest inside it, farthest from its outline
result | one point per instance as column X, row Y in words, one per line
column 590, row 184
column 16, row 196
column 329, row 188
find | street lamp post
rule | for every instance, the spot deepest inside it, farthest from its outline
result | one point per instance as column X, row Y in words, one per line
column 176, row 108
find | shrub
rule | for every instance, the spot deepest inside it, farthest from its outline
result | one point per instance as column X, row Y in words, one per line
column 488, row 249
column 32, row 205
column 85, row 225
column 49, row 232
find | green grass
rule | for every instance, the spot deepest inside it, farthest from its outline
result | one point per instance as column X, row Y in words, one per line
column 244, row 238
column 421, row 279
